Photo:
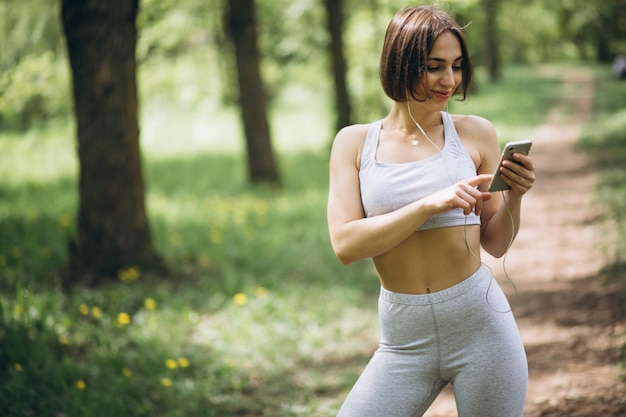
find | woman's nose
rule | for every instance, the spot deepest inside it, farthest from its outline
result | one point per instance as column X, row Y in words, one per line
column 447, row 78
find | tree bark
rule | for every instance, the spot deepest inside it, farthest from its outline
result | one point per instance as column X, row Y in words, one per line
column 240, row 24
column 491, row 45
column 334, row 10
column 113, row 230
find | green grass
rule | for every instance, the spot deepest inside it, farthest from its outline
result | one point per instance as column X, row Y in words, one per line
column 259, row 318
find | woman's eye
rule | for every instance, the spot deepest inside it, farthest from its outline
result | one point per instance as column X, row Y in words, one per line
column 454, row 68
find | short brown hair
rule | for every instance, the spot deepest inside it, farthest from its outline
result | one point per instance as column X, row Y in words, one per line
column 409, row 40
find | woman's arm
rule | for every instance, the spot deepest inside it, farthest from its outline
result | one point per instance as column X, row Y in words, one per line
column 497, row 231
column 353, row 236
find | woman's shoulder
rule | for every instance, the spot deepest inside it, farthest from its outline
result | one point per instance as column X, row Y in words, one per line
column 352, row 136
column 353, row 132
column 472, row 125
column 348, row 143
column 475, row 129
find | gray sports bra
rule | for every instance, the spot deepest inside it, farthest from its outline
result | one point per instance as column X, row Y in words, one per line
column 388, row 187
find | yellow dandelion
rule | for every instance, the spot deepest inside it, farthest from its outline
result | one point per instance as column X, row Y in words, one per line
column 171, row 364
column 96, row 312
column 183, row 362
column 121, row 274
column 127, row 372
column 240, row 299
column 18, row 367
column 63, row 340
column 260, row 292
column 123, row 319
column 80, row 384
column 84, row 309
column 128, row 274
column 18, row 309
column 16, row 251
column 150, row 304
column 166, row 382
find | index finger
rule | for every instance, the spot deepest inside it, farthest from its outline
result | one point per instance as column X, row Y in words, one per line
column 479, row 179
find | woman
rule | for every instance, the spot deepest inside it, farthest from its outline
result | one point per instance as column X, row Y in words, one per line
column 409, row 191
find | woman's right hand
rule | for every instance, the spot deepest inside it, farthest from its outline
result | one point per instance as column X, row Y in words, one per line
column 464, row 195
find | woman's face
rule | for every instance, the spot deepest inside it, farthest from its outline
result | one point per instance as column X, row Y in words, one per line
column 444, row 71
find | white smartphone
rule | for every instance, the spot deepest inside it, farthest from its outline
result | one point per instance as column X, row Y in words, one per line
column 521, row 146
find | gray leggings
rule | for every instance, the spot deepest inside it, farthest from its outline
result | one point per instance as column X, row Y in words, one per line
column 464, row 335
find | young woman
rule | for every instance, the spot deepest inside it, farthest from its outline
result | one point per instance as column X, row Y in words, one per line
column 410, row 192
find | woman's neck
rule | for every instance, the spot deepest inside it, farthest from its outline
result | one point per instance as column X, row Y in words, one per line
column 404, row 117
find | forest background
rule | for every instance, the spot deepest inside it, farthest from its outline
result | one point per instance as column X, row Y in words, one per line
column 242, row 324
column 184, row 57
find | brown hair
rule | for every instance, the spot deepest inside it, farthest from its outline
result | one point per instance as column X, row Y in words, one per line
column 410, row 37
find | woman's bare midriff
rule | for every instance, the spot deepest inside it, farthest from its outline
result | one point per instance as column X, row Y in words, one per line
column 430, row 260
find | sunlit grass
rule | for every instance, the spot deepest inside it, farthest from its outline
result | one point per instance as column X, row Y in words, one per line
column 251, row 266
column 46, row 155
column 300, row 124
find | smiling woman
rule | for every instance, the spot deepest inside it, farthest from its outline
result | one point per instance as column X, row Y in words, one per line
column 407, row 53
column 420, row 209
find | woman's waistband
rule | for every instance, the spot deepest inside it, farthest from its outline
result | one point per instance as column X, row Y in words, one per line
column 482, row 274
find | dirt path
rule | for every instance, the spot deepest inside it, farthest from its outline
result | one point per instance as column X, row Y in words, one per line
column 567, row 318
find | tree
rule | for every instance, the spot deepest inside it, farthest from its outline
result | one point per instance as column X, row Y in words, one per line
column 492, row 54
column 240, row 25
column 113, row 230
column 334, row 10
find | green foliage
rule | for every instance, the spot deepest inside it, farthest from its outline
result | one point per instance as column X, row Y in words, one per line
column 34, row 85
column 187, row 36
column 34, row 91
column 29, row 27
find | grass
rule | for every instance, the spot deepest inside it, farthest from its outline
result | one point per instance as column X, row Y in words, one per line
column 259, row 319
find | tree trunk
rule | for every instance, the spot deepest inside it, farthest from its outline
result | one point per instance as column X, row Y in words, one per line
column 334, row 10
column 240, row 26
column 492, row 53
column 113, row 230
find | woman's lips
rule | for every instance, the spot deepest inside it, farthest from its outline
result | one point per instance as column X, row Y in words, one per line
column 444, row 95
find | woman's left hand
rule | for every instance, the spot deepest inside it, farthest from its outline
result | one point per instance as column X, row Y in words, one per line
column 520, row 176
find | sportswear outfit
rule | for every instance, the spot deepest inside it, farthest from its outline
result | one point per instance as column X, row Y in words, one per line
column 464, row 335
